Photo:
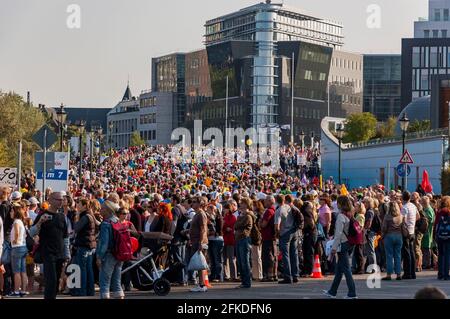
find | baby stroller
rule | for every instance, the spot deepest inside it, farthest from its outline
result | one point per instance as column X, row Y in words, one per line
column 145, row 275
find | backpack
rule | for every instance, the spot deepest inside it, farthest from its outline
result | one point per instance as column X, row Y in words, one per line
column 255, row 234
column 422, row 224
column 355, row 233
column 443, row 229
column 376, row 223
column 122, row 250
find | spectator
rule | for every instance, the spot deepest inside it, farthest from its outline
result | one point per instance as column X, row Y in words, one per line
column 110, row 267
column 393, row 241
column 53, row 243
column 442, row 240
column 409, row 213
column 257, row 275
column 343, row 249
column 242, row 229
column 215, row 242
column 229, row 220
column 359, row 259
column 427, row 239
column 430, row 292
column 19, row 250
column 269, row 247
column 371, row 232
column 309, row 238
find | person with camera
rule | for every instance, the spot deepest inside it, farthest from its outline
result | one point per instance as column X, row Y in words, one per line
column 53, row 250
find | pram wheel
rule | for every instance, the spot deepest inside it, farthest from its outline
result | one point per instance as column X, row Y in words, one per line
column 161, row 287
column 140, row 280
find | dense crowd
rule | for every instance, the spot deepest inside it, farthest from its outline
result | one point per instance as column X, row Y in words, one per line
column 250, row 226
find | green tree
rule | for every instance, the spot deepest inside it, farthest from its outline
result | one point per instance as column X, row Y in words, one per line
column 19, row 121
column 387, row 129
column 360, row 127
column 136, row 139
column 419, row 126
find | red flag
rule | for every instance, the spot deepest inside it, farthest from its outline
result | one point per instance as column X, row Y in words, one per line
column 426, row 185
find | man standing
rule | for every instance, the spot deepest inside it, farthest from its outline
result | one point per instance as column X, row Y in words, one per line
column 409, row 212
column 288, row 241
column 178, row 247
column 372, row 226
column 198, row 234
column 5, row 216
column 269, row 246
column 51, row 227
column 427, row 239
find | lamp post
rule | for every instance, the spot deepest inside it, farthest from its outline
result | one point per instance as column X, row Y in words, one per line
column 340, row 136
column 81, row 131
column 62, row 115
column 404, row 123
column 302, row 138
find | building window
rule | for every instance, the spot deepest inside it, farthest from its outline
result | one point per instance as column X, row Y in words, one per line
column 444, row 33
column 426, row 33
column 435, row 33
column 437, row 14
column 446, row 14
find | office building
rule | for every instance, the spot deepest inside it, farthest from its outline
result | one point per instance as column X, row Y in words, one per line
column 382, row 85
column 438, row 23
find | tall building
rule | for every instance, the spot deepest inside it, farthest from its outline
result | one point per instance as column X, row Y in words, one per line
column 382, row 85
column 283, row 23
column 438, row 23
column 168, row 75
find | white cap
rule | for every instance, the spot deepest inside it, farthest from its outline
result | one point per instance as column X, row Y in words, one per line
column 260, row 196
column 16, row 195
column 33, row 201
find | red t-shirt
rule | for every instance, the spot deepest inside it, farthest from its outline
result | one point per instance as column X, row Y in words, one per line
column 268, row 233
column 228, row 222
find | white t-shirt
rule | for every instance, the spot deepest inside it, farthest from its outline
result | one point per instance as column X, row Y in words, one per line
column 409, row 211
column 22, row 234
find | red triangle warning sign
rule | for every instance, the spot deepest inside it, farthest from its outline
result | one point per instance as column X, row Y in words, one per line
column 406, row 158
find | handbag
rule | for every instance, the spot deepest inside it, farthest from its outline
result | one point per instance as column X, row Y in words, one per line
column 198, row 262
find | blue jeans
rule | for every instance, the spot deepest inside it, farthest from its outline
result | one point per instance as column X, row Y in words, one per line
column 343, row 268
column 243, row 248
column 110, row 277
column 18, row 258
column 215, row 250
column 393, row 246
column 178, row 255
column 84, row 259
column 370, row 249
column 443, row 259
column 289, row 252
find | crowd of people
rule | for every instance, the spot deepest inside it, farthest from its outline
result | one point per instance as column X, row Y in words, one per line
column 251, row 226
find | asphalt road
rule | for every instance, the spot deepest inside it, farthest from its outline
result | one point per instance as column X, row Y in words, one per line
column 307, row 288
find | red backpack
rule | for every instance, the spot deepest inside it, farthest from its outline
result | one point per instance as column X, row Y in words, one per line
column 122, row 250
column 355, row 233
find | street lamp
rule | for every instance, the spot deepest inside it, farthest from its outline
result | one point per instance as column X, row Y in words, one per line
column 340, row 136
column 302, row 138
column 404, row 123
column 62, row 115
column 81, row 127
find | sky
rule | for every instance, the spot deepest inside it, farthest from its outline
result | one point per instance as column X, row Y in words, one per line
column 90, row 66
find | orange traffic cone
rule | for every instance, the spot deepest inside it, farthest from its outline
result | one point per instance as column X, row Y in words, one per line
column 317, row 272
column 206, row 279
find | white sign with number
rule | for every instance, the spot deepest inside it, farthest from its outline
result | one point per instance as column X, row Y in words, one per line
column 8, row 176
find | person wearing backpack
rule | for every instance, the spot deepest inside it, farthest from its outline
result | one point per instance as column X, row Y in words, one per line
column 215, row 242
column 372, row 226
column 269, row 247
column 343, row 248
column 309, row 238
column 110, row 267
column 242, row 235
column 420, row 229
column 442, row 234
column 287, row 230
column 393, row 240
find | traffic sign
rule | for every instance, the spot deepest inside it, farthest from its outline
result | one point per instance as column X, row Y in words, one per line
column 51, row 139
column 401, row 170
column 406, row 158
column 39, row 161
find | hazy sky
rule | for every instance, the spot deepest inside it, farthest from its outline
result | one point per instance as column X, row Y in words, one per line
column 89, row 67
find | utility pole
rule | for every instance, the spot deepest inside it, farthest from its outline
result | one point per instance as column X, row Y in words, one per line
column 292, row 99
column 19, row 165
column 226, row 113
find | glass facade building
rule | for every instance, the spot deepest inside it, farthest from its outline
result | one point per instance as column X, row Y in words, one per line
column 382, row 85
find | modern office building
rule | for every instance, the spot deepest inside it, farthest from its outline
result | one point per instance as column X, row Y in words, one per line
column 151, row 114
column 382, row 85
column 421, row 59
column 282, row 23
column 438, row 23
column 168, row 75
